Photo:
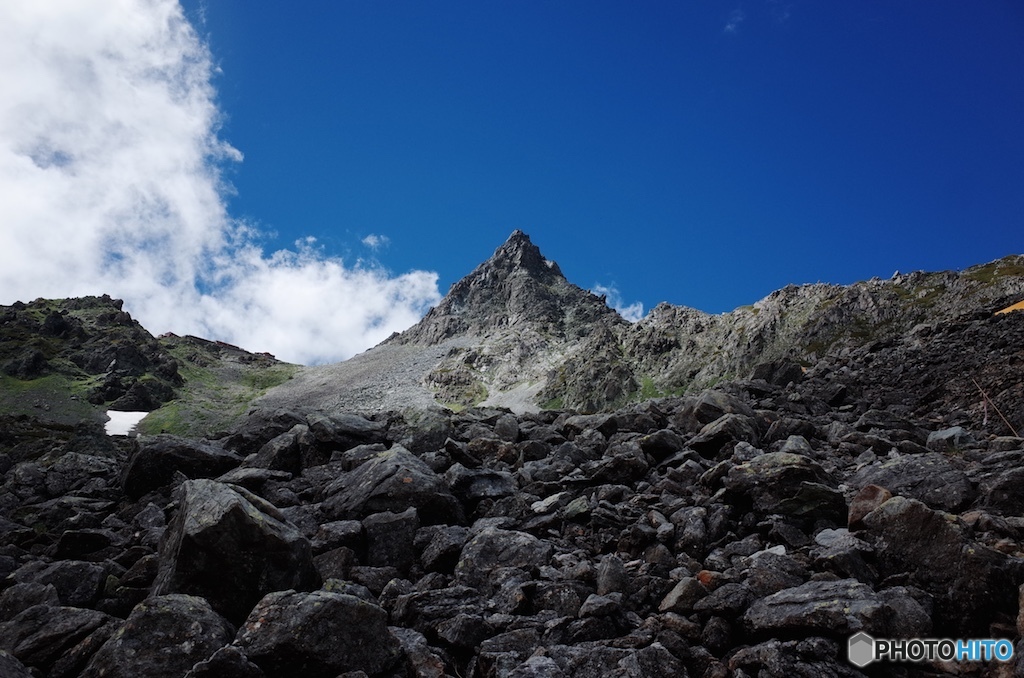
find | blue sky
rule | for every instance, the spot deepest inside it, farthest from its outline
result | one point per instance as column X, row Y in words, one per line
column 703, row 153
column 306, row 179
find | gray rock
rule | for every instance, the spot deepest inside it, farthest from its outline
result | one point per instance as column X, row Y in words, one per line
column 163, row 637
column 931, row 478
column 160, row 457
column 317, row 634
column 968, row 581
column 231, row 547
column 839, row 607
column 42, row 636
column 392, row 481
column 496, row 548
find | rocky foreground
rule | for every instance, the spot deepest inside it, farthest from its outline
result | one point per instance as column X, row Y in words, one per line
column 745, row 531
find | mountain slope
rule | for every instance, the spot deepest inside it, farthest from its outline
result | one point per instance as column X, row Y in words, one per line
column 516, row 333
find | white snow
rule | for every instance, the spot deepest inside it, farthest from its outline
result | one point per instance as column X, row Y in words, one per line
column 123, row 423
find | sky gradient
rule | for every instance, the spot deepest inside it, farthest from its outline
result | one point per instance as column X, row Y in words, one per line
column 355, row 160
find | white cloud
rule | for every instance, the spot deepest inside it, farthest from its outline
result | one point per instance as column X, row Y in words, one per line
column 375, row 242
column 110, row 183
column 736, row 17
column 631, row 312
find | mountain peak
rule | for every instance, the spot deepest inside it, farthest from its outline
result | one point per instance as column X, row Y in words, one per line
column 515, row 288
column 518, row 253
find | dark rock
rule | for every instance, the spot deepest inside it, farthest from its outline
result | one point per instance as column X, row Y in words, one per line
column 283, row 452
column 318, row 634
column 495, row 548
column 968, row 581
column 778, row 372
column 227, row 662
column 930, row 478
column 421, row 660
column 160, row 457
column 162, row 637
column 778, row 659
column 10, row 667
column 472, row 485
column 1000, row 480
column 840, row 607
column 728, row 600
column 791, row 484
column 443, row 547
column 78, row 583
column 259, row 428
column 202, row 553
column 392, row 481
column 729, row 428
column 389, row 539
column 41, row 635
column 20, row 597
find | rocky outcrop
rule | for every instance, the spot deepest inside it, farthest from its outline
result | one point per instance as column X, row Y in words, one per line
column 86, row 340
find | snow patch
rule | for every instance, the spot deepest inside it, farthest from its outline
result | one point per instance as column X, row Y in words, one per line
column 122, row 423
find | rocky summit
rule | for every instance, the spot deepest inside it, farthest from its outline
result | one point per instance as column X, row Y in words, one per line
column 523, row 485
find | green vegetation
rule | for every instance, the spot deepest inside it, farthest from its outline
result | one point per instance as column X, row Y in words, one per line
column 55, row 396
column 997, row 269
column 556, row 403
column 220, row 385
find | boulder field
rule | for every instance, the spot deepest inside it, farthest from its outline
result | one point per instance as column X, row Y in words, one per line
column 748, row 530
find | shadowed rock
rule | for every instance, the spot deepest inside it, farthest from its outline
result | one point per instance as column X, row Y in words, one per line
column 143, row 646
column 231, row 547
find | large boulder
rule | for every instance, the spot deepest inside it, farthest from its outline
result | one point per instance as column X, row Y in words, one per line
column 839, row 608
column 495, row 548
column 789, row 484
column 319, row 635
column 163, row 637
column 931, row 549
column 931, row 478
column 392, row 481
column 159, row 457
column 232, row 548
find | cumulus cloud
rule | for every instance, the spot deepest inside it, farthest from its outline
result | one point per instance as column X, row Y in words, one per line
column 631, row 312
column 375, row 242
column 110, row 182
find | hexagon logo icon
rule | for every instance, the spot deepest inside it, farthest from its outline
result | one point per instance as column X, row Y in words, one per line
column 861, row 649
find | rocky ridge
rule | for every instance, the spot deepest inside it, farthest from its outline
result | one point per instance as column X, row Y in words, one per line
column 65, row 361
column 516, row 333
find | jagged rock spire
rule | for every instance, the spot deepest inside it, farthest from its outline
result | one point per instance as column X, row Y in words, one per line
column 514, row 288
